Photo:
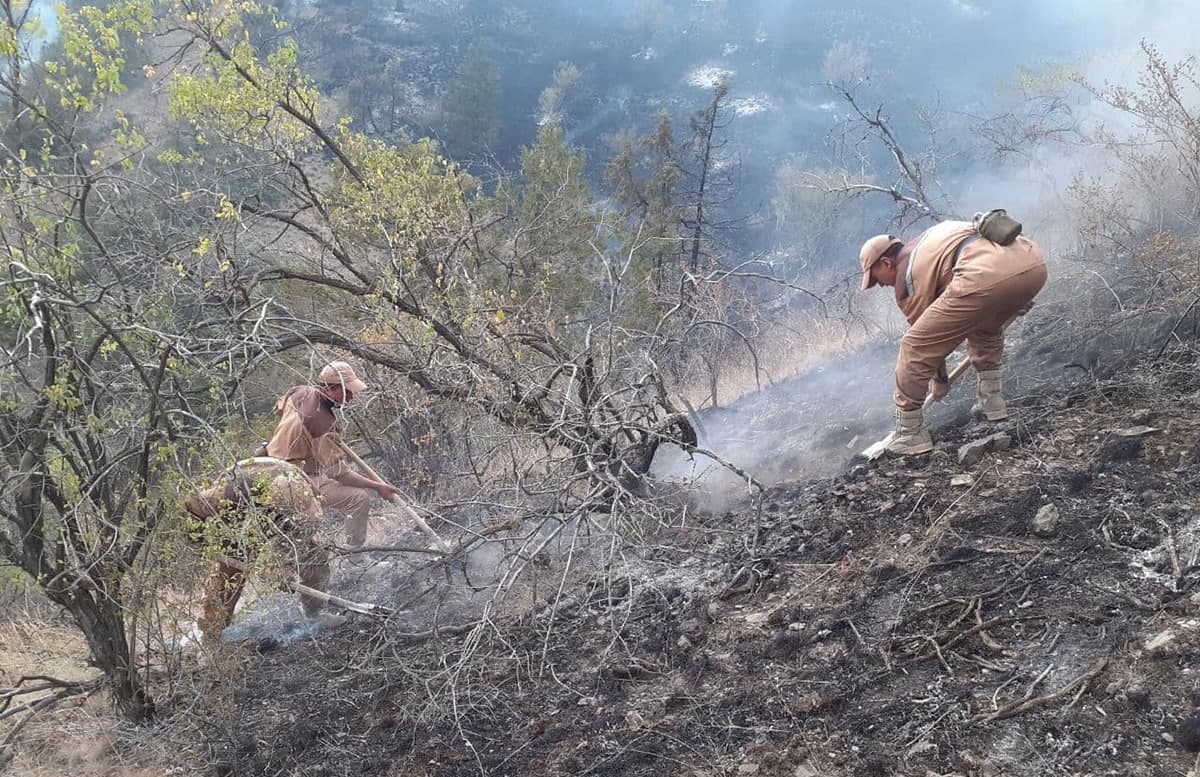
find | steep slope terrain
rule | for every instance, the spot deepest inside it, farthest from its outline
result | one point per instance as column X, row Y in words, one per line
column 1032, row 612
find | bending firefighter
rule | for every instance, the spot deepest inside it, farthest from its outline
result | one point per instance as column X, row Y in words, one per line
column 308, row 436
column 260, row 505
column 952, row 284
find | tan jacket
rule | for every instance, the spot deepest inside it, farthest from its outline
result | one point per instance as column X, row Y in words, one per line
column 981, row 265
column 307, row 434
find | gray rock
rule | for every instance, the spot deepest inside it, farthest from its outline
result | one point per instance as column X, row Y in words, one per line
column 1045, row 523
column 973, row 452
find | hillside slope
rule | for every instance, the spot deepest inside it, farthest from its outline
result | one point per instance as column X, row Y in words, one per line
column 903, row 617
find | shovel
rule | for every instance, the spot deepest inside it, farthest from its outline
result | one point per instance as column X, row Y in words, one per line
column 876, row 450
column 439, row 543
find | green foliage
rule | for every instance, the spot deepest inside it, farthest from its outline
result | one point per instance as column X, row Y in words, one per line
column 645, row 177
column 96, row 44
column 553, row 100
column 1048, row 77
column 243, row 93
column 405, row 199
column 558, row 229
column 13, row 580
column 470, row 111
column 111, row 332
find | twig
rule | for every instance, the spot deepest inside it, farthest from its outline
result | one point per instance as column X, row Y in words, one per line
column 1037, row 681
column 858, row 636
column 64, row 691
column 1001, row 687
column 1027, row 704
column 1172, row 551
column 1167, row 340
column 347, row 550
column 1136, row 602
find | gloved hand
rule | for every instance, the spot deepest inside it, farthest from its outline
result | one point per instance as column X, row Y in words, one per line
column 939, row 389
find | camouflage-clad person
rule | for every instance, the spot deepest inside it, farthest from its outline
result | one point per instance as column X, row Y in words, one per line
column 260, row 503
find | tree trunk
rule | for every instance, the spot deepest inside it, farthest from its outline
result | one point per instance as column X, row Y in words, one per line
column 103, row 625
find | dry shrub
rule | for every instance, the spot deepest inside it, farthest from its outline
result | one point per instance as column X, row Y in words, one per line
column 1143, row 209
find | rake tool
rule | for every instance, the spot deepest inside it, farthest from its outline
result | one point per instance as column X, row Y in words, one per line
column 363, row 608
column 395, row 498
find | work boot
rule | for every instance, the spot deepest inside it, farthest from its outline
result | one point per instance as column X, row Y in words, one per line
column 911, row 436
column 990, row 403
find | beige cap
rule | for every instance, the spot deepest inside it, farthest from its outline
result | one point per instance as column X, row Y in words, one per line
column 341, row 374
column 871, row 252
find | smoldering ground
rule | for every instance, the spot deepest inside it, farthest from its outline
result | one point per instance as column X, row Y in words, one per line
column 798, row 429
column 423, row 591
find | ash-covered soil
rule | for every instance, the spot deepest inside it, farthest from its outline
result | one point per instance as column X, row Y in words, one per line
column 1034, row 613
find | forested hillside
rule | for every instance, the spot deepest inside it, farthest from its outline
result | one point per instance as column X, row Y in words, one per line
column 596, row 266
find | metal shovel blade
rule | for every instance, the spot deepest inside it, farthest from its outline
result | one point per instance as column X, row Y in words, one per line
column 875, row 450
column 878, row 449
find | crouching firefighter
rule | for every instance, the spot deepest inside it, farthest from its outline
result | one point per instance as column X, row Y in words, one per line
column 260, row 505
column 959, row 280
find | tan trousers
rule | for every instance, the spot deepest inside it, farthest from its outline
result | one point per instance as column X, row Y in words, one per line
column 353, row 503
column 977, row 317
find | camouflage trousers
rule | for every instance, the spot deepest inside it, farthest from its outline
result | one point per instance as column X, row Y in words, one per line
column 262, row 505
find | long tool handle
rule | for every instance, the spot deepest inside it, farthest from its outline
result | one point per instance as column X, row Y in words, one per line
column 346, row 604
column 366, row 468
column 954, row 375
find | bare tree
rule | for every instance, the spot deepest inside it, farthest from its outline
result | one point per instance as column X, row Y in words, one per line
column 914, row 187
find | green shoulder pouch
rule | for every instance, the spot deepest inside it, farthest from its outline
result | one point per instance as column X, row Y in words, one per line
column 997, row 226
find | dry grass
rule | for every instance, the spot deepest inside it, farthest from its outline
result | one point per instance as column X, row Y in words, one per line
column 80, row 736
column 39, row 646
column 82, row 739
column 83, row 736
column 784, row 349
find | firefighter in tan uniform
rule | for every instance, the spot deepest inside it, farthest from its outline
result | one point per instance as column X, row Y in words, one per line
column 952, row 284
column 308, row 436
column 260, row 504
